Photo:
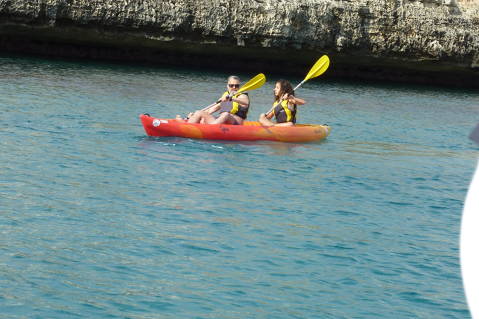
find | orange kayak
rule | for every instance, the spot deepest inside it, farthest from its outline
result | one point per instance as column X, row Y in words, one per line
column 249, row 131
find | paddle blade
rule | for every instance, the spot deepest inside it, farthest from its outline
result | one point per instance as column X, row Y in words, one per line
column 318, row 68
column 253, row 84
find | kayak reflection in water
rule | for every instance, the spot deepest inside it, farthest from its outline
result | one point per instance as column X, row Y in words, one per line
column 284, row 106
column 232, row 108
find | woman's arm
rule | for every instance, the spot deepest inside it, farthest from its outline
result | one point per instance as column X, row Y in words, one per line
column 269, row 115
column 242, row 100
column 295, row 100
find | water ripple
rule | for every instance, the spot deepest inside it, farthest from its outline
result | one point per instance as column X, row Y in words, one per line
column 100, row 221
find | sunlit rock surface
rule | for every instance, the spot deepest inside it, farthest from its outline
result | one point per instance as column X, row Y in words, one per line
column 426, row 41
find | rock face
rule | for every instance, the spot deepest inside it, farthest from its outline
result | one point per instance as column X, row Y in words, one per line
column 427, row 41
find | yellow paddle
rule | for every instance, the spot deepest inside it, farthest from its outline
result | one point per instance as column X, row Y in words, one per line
column 318, row 68
column 253, row 84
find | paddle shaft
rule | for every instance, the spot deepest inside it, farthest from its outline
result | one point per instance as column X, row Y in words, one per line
column 297, row 86
column 211, row 105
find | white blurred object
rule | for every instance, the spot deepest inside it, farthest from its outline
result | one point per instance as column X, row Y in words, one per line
column 470, row 245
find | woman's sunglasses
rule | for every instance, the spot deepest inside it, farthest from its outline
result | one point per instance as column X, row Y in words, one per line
column 234, row 85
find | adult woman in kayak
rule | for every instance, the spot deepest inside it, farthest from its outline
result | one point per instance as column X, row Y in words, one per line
column 232, row 109
column 284, row 106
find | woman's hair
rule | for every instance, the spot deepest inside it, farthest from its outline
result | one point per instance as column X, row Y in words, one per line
column 285, row 88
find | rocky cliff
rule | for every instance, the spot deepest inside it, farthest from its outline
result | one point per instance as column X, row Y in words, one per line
column 427, row 41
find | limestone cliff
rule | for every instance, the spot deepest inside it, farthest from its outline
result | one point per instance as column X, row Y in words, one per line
column 429, row 41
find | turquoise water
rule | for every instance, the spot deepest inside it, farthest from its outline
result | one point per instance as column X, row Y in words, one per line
column 100, row 221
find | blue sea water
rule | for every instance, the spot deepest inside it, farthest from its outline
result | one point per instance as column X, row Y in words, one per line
column 97, row 220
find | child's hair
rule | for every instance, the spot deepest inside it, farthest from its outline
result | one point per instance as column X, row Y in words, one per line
column 285, row 88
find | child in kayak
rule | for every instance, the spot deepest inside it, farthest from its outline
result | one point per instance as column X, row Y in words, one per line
column 232, row 109
column 284, row 106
